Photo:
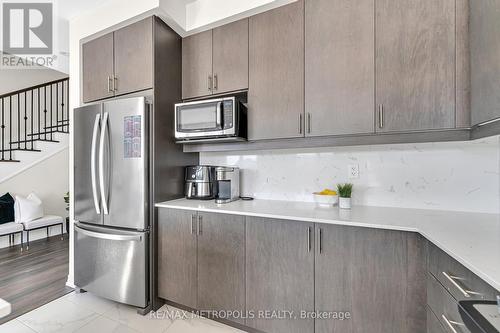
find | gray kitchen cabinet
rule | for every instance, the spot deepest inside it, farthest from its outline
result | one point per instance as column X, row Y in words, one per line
column 433, row 324
column 230, row 57
column 279, row 274
column 197, row 77
column 221, row 263
column 97, row 68
column 215, row 61
column 376, row 275
column 339, row 67
column 276, row 73
column 485, row 68
column 119, row 62
column 134, row 57
column 415, row 65
column 177, row 256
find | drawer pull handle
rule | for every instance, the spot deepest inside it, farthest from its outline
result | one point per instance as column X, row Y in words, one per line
column 451, row 324
column 466, row 293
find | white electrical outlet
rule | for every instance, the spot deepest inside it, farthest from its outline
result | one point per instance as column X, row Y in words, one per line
column 353, row 171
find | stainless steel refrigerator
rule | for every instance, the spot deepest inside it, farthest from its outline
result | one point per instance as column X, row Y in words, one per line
column 111, row 199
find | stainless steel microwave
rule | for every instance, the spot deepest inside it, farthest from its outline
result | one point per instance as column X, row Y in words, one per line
column 220, row 119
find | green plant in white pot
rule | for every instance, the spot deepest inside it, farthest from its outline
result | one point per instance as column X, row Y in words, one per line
column 345, row 191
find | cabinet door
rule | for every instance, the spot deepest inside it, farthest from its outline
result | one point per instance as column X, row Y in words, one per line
column 177, row 280
column 485, row 52
column 134, row 57
column 97, row 68
column 378, row 276
column 221, row 263
column 230, row 57
column 415, row 64
column 433, row 324
column 340, row 69
column 197, row 65
column 280, row 274
column 276, row 73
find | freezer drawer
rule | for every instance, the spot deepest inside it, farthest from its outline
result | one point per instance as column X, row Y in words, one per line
column 112, row 263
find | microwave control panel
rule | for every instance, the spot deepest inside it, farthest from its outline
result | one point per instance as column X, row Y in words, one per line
column 227, row 106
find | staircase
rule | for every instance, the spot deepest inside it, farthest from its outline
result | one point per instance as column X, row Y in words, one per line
column 32, row 117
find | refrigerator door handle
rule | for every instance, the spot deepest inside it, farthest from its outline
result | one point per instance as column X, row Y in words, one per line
column 104, row 200
column 101, row 235
column 92, row 163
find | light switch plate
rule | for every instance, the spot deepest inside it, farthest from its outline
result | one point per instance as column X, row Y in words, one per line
column 353, row 171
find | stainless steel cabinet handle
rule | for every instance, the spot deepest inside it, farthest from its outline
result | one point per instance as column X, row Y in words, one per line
column 381, row 116
column 192, row 223
column 110, row 81
column 300, row 123
column 309, row 125
column 452, row 279
column 104, row 200
column 102, row 235
column 451, row 324
column 200, row 220
column 115, row 84
column 320, row 240
column 309, row 232
column 216, row 82
column 210, row 83
column 92, row 163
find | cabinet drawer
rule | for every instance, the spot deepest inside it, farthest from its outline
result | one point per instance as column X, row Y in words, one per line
column 433, row 324
column 456, row 278
column 444, row 307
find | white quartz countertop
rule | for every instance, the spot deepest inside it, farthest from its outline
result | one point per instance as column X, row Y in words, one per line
column 473, row 239
column 5, row 308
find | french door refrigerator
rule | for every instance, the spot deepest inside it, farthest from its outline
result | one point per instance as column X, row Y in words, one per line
column 111, row 200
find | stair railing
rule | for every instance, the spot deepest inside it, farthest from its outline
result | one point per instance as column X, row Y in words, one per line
column 32, row 114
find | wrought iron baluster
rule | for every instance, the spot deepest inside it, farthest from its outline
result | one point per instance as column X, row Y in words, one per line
column 3, row 132
column 25, row 123
column 18, row 122
column 51, row 129
column 10, row 127
column 31, row 137
column 57, row 107
column 39, row 117
column 45, row 112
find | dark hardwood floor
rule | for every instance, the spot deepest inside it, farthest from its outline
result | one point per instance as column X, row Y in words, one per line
column 30, row 279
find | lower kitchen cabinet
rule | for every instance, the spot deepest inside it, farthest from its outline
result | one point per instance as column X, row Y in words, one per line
column 378, row 276
column 177, row 250
column 279, row 274
column 221, row 263
column 433, row 324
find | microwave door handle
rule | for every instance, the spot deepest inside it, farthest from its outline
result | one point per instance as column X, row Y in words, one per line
column 219, row 115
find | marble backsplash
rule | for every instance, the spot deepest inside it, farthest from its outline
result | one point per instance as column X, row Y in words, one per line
column 459, row 176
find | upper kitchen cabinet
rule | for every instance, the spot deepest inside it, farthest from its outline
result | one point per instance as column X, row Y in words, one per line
column 215, row 61
column 197, row 77
column 485, row 63
column 339, row 72
column 276, row 73
column 119, row 62
column 97, row 68
column 134, row 57
column 230, row 57
column 415, row 65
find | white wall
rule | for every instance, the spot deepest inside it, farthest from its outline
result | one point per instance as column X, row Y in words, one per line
column 49, row 180
column 16, row 79
column 460, row 176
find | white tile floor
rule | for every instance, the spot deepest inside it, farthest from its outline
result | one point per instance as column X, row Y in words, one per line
column 85, row 313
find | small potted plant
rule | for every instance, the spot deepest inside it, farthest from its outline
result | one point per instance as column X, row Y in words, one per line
column 345, row 191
